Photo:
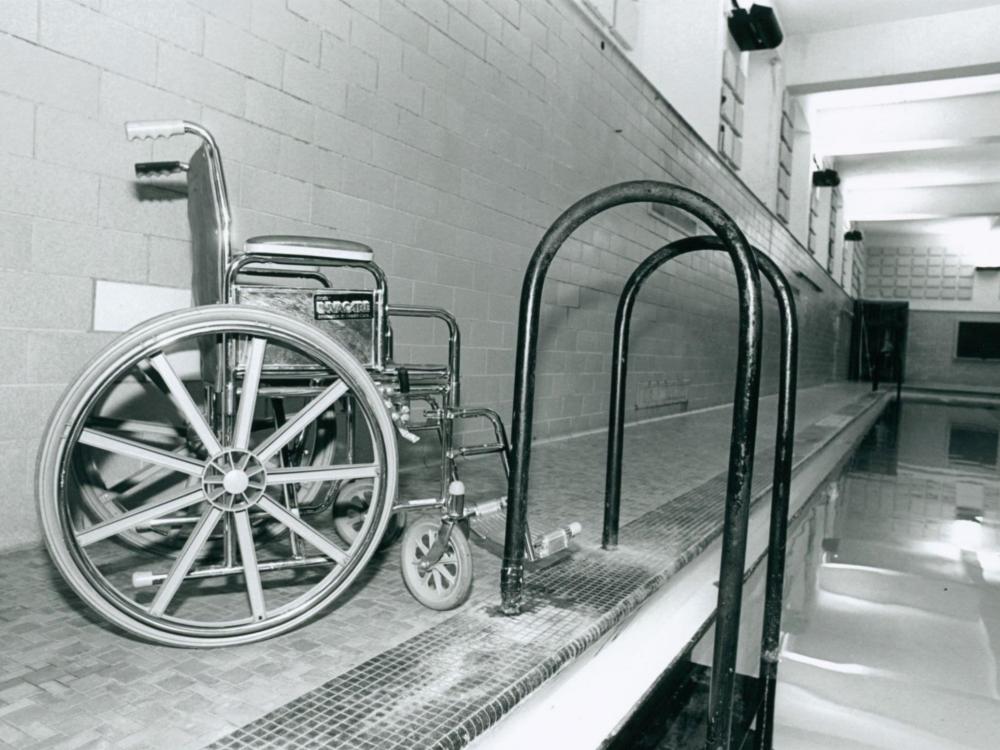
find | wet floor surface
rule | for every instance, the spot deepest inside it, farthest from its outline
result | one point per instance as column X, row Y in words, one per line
column 892, row 604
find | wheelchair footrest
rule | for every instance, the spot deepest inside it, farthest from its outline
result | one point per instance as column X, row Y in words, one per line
column 481, row 450
column 549, row 544
column 486, row 507
column 488, row 523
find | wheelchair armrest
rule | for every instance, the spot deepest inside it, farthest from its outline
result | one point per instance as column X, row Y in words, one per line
column 302, row 256
column 454, row 338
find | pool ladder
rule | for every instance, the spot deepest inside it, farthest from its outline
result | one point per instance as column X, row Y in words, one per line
column 723, row 731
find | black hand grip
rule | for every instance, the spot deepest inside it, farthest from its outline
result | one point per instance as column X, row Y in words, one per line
column 159, row 168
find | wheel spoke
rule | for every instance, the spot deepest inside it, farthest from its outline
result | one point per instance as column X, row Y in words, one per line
column 251, row 573
column 189, row 553
column 437, row 579
column 297, row 424
column 138, row 427
column 141, row 451
column 128, row 487
column 447, row 574
column 136, row 517
column 424, row 545
column 304, row 530
column 322, row 474
column 183, row 401
column 248, row 398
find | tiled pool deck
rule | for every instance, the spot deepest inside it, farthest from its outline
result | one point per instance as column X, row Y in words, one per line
column 379, row 670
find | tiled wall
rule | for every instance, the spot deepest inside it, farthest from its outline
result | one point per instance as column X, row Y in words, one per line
column 942, row 286
column 932, row 341
column 917, row 272
column 447, row 135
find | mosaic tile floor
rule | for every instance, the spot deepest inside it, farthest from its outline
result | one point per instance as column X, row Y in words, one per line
column 357, row 676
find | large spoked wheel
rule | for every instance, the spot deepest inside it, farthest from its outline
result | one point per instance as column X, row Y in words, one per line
column 248, row 563
column 446, row 583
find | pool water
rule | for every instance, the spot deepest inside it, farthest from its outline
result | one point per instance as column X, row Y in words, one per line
column 891, row 623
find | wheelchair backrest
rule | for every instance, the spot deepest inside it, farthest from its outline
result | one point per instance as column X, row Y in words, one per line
column 208, row 215
column 274, row 271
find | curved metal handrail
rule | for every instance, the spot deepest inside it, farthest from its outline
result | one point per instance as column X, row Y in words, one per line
column 784, row 438
column 741, row 451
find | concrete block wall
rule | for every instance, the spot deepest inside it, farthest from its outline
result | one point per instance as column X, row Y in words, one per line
column 447, row 134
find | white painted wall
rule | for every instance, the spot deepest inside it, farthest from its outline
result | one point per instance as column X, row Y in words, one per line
column 679, row 49
column 762, row 123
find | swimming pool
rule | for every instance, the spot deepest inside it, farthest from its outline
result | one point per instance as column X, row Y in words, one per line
column 891, row 623
column 891, row 607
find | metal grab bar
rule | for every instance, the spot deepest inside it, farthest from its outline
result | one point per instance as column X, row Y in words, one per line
column 780, row 489
column 784, row 438
column 741, row 451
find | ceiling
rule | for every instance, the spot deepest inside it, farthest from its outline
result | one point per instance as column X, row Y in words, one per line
column 902, row 97
column 811, row 16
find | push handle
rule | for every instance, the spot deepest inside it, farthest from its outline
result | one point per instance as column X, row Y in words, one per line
column 153, row 129
column 159, row 168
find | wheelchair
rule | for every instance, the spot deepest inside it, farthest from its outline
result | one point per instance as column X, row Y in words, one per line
column 220, row 475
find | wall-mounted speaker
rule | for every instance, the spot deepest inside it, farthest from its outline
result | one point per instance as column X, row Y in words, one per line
column 755, row 29
column 826, row 178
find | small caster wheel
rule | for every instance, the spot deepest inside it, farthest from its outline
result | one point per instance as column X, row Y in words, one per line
column 350, row 508
column 447, row 583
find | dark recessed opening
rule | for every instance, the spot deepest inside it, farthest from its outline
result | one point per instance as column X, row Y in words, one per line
column 977, row 340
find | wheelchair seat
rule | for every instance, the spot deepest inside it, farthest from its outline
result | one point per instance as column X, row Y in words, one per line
column 320, row 248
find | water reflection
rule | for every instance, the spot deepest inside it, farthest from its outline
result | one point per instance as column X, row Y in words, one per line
column 972, row 445
column 892, row 602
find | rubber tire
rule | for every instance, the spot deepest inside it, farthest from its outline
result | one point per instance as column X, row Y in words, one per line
column 420, row 531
